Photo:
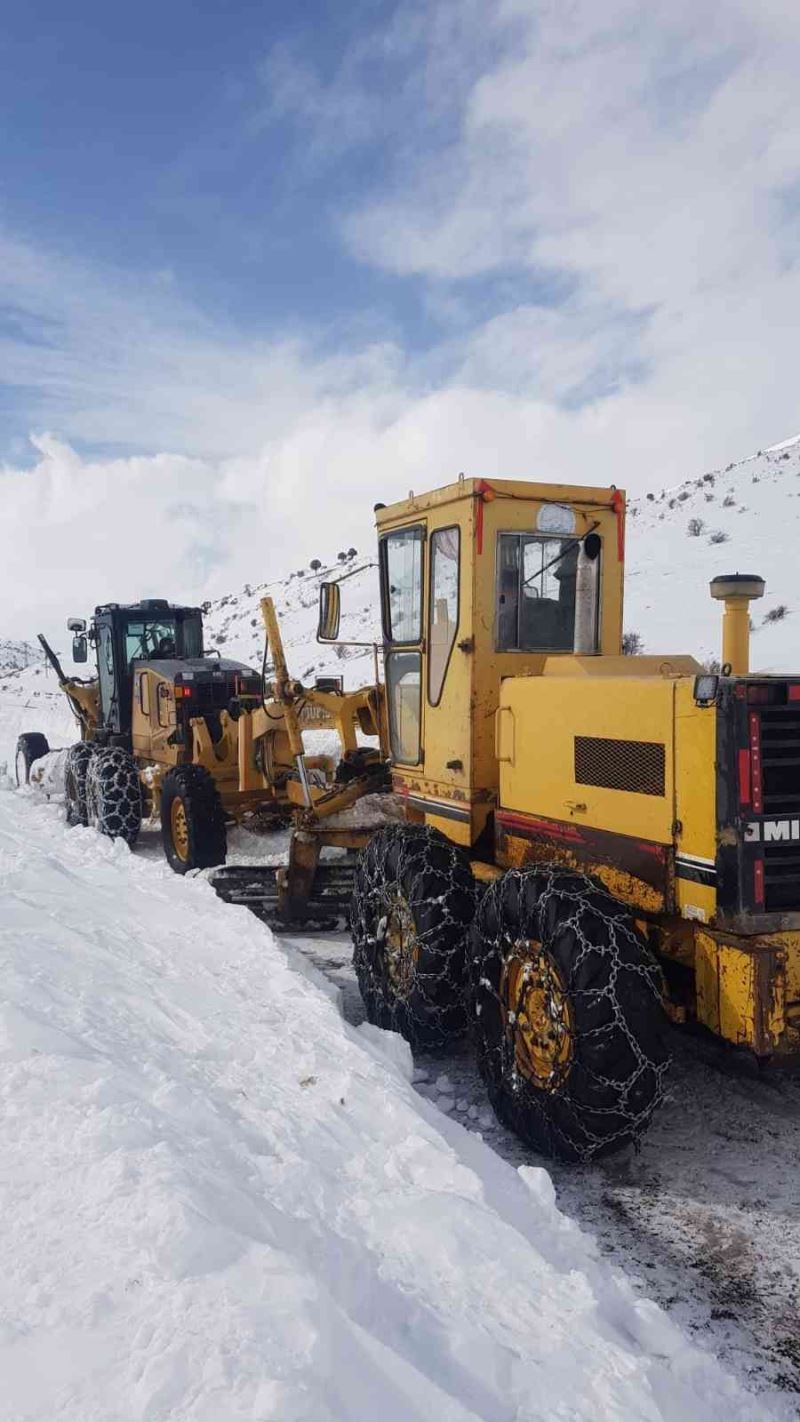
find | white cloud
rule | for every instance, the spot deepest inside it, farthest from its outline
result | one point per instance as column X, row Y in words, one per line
column 645, row 154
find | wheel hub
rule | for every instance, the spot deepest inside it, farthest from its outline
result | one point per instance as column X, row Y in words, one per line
column 401, row 945
column 538, row 1016
column 179, row 827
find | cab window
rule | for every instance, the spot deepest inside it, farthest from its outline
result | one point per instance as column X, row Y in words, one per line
column 445, row 544
column 535, row 609
column 404, row 697
column 401, row 577
column 150, row 641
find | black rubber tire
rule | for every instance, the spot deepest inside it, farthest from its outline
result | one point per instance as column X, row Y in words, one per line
column 430, row 1007
column 31, row 746
column 114, row 794
column 612, row 983
column 75, row 770
column 205, row 818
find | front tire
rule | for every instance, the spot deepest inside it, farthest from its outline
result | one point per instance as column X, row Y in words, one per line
column 569, row 1027
column 413, row 904
column 114, row 794
column 31, row 746
column 75, row 771
column 192, row 820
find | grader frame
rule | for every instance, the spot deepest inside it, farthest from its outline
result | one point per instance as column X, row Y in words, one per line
column 549, row 747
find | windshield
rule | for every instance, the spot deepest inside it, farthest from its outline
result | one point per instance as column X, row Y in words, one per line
column 159, row 638
column 149, row 640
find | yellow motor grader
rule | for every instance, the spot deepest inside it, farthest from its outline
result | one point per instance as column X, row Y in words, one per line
column 589, row 839
column 169, row 732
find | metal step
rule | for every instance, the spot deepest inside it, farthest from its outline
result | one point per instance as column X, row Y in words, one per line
column 256, row 887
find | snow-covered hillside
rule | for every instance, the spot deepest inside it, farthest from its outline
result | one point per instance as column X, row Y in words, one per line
column 745, row 518
column 16, row 655
column 220, row 1201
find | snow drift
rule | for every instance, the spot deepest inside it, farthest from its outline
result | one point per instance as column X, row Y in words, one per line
column 222, row 1202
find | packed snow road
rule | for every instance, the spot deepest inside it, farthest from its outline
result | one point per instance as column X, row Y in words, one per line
column 705, row 1218
column 221, row 1199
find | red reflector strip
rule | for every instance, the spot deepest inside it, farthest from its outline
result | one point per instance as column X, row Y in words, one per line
column 794, row 692
column 618, row 506
column 744, row 777
column 758, row 882
column 755, row 763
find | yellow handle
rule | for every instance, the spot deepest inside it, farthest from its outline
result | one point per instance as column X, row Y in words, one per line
column 504, row 716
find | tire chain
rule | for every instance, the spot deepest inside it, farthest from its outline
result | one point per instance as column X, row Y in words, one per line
column 414, row 868
column 76, row 768
column 623, row 953
column 113, row 794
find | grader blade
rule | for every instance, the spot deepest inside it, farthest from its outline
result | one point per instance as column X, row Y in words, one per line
column 262, row 889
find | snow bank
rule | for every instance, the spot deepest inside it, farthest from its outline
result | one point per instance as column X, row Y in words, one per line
column 30, row 701
column 221, row 1202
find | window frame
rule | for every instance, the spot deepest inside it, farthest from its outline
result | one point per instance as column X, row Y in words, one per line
column 536, row 536
column 420, row 530
column 405, row 649
column 450, row 528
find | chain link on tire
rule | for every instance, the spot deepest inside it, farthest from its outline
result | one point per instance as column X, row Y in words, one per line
column 75, row 770
column 569, row 1027
column 113, row 794
column 193, row 829
column 412, row 907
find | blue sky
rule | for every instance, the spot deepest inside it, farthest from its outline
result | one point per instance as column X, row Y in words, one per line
column 144, row 137
column 312, row 255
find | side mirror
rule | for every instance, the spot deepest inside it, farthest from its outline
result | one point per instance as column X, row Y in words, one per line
column 76, row 624
column 330, row 609
column 80, row 652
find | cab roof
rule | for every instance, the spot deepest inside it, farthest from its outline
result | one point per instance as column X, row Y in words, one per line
column 149, row 607
column 576, row 495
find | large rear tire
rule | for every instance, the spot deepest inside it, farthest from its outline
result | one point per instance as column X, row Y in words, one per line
column 75, row 771
column 113, row 794
column 31, row 746
column 412, row 907
column 193, row 829
column 568, row 1020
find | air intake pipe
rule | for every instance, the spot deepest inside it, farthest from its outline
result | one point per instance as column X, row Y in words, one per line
column 587, row 583
column 737, row 591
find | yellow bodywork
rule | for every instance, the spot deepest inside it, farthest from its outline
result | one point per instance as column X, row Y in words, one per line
column 602, row 762
column 641, row 845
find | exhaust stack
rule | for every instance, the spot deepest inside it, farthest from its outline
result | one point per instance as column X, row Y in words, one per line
column 586, row 596
column 737, row 591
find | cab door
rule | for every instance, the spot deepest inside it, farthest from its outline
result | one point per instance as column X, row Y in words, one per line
column 448, row 687
column 402, row 559
column 428, row 676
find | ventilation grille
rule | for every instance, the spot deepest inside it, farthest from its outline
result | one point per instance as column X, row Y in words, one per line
column 636, row 766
